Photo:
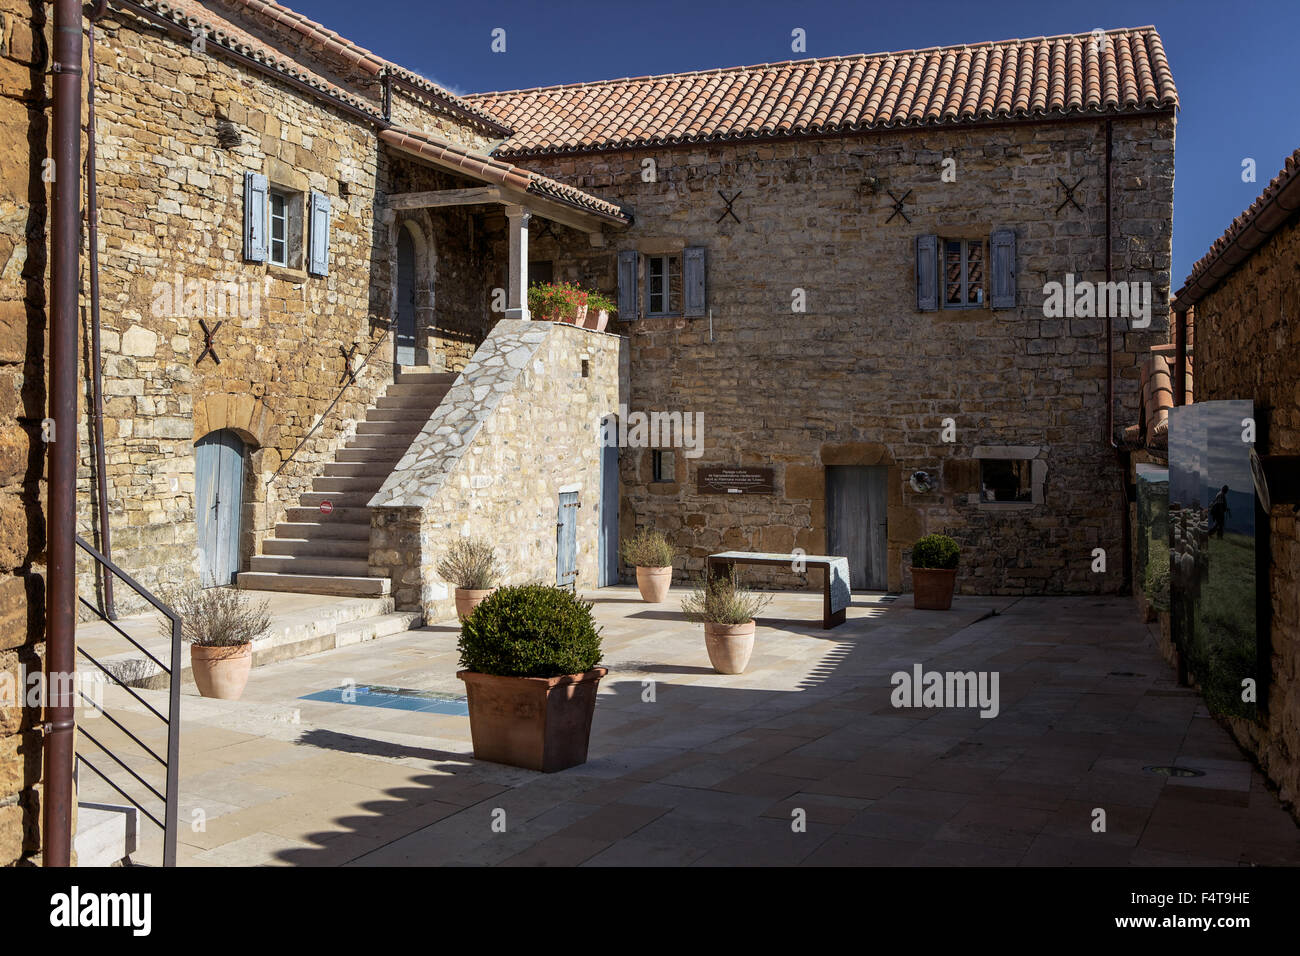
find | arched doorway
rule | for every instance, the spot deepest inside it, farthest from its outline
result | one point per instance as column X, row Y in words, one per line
column 404, row 334
column 219, row 467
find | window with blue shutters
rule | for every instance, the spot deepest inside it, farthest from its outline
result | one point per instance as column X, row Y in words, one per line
column 256, row 190
column 319, row 235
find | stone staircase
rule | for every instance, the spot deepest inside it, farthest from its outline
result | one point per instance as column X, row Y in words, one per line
column 317, row 553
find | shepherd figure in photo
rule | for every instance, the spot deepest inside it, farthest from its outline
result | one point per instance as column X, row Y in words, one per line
column 1219, row 508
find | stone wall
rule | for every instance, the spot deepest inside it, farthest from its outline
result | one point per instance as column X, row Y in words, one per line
column 24, row 211
column 1247, row 346
column 520, row 424
column 862, row 377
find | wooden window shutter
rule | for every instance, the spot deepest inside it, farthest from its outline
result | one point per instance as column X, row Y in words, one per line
column 927, row 273
column 627, row 295
column 318, row 262
column 255, row 196
column 694, row 263
column 1002, row 269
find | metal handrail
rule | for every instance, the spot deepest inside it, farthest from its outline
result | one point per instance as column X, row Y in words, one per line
column 171, row 795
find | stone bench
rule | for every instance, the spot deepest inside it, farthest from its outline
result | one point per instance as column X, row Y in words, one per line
column 835, row 579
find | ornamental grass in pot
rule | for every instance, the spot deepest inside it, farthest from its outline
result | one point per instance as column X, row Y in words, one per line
column 727, row 612
column 530, row 654
column 650, row 553
column 220, row 625
column 934, row 572
column 470, row 564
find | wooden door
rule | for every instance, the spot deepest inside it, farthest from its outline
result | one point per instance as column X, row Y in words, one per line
column 608, row 503
column 404, row 337
column 566, row 540
column 856, row 523
column 218, row 504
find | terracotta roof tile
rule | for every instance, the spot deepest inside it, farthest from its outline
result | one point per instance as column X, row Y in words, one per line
column 1011, row 79
column 487, row 169
column 1275, row 206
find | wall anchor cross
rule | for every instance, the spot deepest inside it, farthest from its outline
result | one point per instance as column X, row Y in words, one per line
column 898, row 206
column 349, row 374
column 728, row 211
column 209, row 346
column 1069, row 194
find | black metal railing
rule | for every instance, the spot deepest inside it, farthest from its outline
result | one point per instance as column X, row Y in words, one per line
column 169, row 795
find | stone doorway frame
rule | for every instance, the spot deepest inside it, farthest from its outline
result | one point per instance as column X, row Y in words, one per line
column 419, row 226
column 255, row 424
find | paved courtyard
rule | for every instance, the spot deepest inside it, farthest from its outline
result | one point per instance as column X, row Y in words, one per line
column 689, row 767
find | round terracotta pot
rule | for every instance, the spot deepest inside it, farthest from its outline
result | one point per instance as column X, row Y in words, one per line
column 932, row 588
column 729, row 646
column 653, row 583
column 221, row 672
column 469, row 598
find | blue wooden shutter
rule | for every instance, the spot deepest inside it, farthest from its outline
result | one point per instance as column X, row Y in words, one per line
column 1002, row 253
column 255, row 187
column 693, row 281
column 627, row 296
column 927, row 273
column 318, row 263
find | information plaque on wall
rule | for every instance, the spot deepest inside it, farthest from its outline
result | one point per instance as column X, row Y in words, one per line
column 724, row 480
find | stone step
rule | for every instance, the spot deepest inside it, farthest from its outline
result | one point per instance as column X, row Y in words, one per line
column 425, row 399
column 323, row 530
column 106, row 833
column 410, row 428
column 424, row 376
column 360, row 467
column 306, row 547
column 404, row 413
column 318, row 561
column 382, row 442
column 351, row 516
column 340, row 499
column 342, row 484
column 342, row 585
column 376, row 627
column 384, row 458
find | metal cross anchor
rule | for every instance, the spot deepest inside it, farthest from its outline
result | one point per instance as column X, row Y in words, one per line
column 544, row 230
column 898, row 206
column 728, row 211
column 349, row 374
column 1069, row 194
column 209, row 347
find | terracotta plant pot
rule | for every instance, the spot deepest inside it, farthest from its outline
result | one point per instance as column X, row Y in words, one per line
column 221, row 672
column 596, row 321
column 469, row 598
column 729, row 646
column 932, row 588
column 538, row 723
column 653, row 583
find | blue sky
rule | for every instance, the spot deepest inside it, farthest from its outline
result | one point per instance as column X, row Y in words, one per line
column 1235, row 61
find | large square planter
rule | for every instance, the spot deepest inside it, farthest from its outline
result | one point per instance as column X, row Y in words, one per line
column 932, row 588
column 539, row 723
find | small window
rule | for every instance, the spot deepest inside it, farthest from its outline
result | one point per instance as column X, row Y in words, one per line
column 663, row 465
column 1006, row 479
column 279, row 228
column 963, row 273
column 663, row 285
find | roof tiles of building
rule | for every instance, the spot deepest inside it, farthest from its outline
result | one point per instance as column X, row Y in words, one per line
column 1275, row 206
column 1076, row 75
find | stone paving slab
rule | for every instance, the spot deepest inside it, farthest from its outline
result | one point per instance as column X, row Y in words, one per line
column 714, row 769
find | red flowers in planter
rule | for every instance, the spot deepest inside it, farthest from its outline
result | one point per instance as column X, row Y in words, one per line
column 563, row 302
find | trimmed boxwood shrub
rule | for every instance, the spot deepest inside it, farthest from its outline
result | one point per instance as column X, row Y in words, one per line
column 530, row 630
column 936, row 551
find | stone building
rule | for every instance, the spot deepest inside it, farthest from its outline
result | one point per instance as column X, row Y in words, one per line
column 1245, row 294
column 859, row 256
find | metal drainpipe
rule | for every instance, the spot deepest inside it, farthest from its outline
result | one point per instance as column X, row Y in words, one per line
column 98, row 9
column 1120, row 454
column 61, row 570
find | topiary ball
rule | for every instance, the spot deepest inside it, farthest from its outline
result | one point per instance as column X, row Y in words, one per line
column 530, row 630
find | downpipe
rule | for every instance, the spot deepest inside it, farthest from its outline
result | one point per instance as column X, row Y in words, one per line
column 1122, row 456
column 61, row 451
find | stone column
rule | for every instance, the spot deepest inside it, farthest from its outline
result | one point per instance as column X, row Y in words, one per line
column 517, row 293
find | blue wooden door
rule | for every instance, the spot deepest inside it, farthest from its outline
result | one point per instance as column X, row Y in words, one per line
column 218, row 502
column 608, row 542
column 856, row 498
column 404, row 340
column 566, row 540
